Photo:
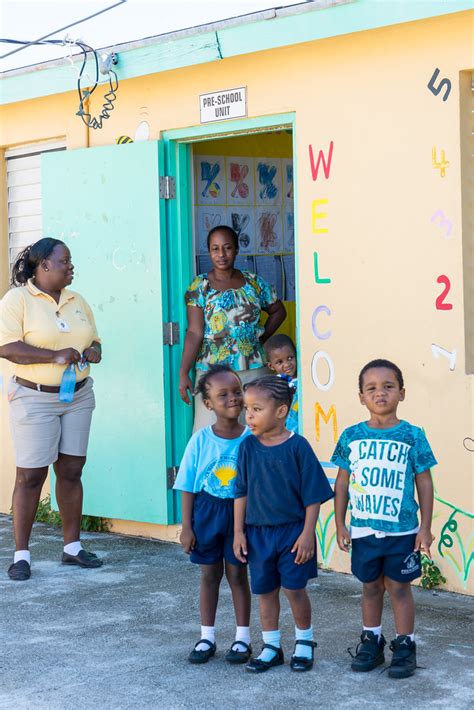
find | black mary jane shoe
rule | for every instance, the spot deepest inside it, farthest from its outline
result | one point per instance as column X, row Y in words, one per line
column 202, row 656
column 299, row 664
column 233, row 655
column 82, row 559
column 19, row 571
column 256, row 665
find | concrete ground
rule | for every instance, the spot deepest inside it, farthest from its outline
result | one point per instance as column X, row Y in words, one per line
column 118, row 637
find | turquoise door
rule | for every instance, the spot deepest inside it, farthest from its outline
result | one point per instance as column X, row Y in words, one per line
column 104, row 203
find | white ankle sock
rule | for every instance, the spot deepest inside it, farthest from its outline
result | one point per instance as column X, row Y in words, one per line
column 209, row 633
column 377, row 630
column 242, row 633
column 410, row 636
column 22, row 555
column 301, row 650
column 272, row 637
column 73, row 548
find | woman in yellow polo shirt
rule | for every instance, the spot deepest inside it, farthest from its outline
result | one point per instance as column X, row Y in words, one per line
column 44, row 328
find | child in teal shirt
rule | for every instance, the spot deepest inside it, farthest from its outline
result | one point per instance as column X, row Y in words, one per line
column 381, row 461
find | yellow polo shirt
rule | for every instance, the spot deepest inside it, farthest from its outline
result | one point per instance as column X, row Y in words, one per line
column 32, row 316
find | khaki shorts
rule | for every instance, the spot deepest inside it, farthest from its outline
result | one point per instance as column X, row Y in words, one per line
column 203, row 416
column 42, row 426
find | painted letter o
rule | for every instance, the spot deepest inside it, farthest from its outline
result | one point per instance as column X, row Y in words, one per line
column 321, row 355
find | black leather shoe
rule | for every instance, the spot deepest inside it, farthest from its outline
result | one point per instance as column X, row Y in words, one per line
column 19, row 571
column 256, row 665
column 83, row 559
column 301, row 663
column 369, row 652
column 202, row 656
column 235, row 655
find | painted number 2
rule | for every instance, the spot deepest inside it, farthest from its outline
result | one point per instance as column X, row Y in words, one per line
column 440, row 304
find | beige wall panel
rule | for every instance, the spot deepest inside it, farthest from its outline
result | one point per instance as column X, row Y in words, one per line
column 368, row 94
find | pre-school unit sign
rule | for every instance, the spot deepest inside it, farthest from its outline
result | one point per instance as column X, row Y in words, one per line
column 222, row 105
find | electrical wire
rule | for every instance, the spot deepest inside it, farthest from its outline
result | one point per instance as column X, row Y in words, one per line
column 84, row 94
column 61, row 29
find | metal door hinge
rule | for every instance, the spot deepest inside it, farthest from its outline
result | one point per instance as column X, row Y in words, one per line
column 170, row 333
column 171, row 474
column 167, row 187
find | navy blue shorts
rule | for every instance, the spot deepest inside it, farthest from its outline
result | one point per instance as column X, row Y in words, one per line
column 213, row 527
column 391, row 556
column 271, row 562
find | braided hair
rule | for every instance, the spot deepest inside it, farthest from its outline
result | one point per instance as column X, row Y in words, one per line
column 202, row 386
column 30, row 258
column 278, row 387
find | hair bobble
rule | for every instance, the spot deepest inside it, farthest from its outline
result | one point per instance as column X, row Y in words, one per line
column 288, row 380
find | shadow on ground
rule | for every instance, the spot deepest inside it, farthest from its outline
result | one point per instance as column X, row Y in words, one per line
column 118, row 637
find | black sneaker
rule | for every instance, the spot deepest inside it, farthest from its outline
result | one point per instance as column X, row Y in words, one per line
column 369, row 652
column 403, row 663
column 19, row 571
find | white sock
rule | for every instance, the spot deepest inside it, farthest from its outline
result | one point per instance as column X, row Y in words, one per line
column 242, row 633
column 209, row 633
column 22, row 555
column 73, row 548
column 272, row 637
column 377, row 630
column 301, row 650
column 410, row 636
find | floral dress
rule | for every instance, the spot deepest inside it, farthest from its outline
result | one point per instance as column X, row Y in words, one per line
column 232, row 327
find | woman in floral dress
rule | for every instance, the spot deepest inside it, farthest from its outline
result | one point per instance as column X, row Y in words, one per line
column 223, row 309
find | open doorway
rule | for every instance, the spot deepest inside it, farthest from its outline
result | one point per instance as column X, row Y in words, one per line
column 246, row 182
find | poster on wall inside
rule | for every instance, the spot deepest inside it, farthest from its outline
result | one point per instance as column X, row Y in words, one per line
column 289, row 277
column 268, row 181
column 210, row 180
column 204, row 264
column 289, row 231
column 268, row 230
column 287, row 170
column 270, row 268
column 240, row 181
column 246, row 263
column 242, row 221
column 206, row 219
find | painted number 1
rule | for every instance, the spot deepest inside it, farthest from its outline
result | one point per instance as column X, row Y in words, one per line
column 440, row 304
column 438, row 351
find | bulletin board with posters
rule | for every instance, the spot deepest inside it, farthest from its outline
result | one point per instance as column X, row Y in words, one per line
column 254, row 195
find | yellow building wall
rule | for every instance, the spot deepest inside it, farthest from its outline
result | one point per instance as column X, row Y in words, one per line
column 380, row 242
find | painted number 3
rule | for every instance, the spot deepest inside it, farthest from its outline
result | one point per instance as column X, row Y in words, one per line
column 440, row 304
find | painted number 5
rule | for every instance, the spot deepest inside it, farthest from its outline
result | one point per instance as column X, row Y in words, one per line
column 443, row 83
column 440, row 304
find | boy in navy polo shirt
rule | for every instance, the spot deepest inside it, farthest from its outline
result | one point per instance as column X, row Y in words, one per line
column 278, row 492
column 381, row 461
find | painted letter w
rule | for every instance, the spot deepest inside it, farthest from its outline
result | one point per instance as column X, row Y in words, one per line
column 321, row 159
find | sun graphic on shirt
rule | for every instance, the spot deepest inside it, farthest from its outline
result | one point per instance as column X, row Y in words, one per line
column 225, row 474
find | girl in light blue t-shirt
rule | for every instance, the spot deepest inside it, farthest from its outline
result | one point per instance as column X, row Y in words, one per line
column 206, row 479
